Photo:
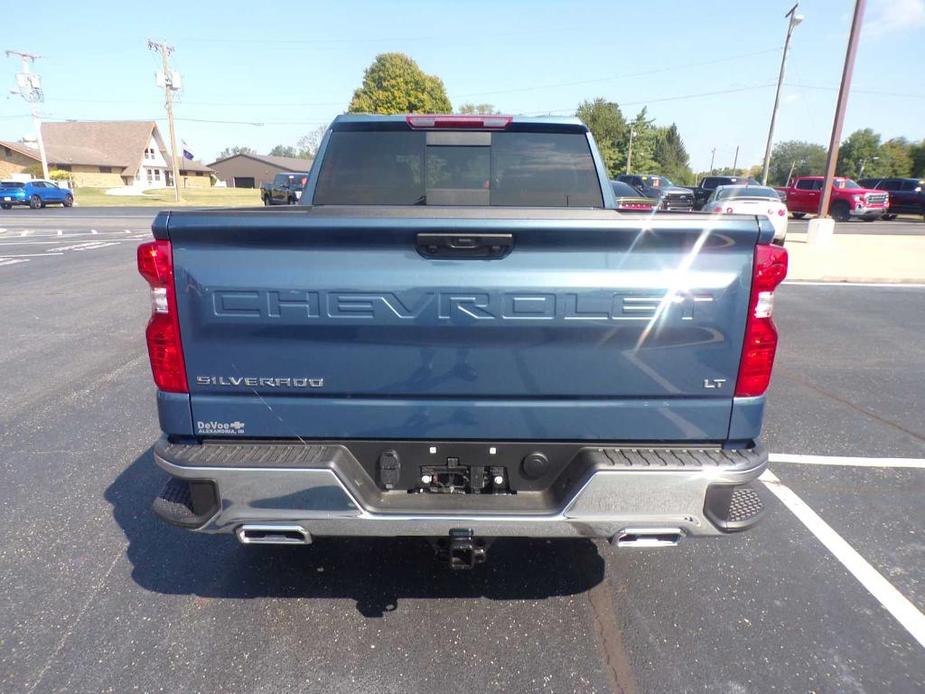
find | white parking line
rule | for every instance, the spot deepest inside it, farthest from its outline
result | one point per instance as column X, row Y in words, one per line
column 12, row 261
column 892, row 600
column 918, row 463
column 889, row 285
column 85, row 246
column 29, row 243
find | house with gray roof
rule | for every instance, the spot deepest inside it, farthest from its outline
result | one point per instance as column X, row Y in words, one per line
column 106, row 154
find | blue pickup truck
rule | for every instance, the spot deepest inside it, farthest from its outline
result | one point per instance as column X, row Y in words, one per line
column 456, row 336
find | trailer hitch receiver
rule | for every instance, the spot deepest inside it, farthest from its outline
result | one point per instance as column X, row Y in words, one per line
column 461, row 550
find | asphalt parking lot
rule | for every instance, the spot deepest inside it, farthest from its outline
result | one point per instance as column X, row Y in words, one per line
column 97, row 595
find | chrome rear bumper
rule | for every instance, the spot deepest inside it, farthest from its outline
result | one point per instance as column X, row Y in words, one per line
column 615, row 494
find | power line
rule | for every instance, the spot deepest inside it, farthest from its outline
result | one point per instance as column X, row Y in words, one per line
column 645, row 73
column 383, row 39
column 678, row 97
column 204, row 103
column 875, row 92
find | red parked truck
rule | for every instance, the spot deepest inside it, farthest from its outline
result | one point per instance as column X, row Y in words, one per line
column 849, row 200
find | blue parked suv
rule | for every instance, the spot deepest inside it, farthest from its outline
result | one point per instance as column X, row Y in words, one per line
column 35, row 194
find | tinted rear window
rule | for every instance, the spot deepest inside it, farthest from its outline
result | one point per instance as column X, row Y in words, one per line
column 623, row 190
column 747, row 192
column 12, row 184
column 428, row 168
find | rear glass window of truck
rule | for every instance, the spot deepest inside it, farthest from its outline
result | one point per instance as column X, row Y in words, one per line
column 510, row 169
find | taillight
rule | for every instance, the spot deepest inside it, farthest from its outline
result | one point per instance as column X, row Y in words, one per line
column 155, row 263
column 717, row 209
column 462, row 121
column 781, row 212
column 768, row 271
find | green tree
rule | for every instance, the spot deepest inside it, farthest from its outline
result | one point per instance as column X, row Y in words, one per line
column 231, row 151
column 671, row 157
column 395, row 84
column 284, row 151
column 806, row 158
column 478, row 108
column 896, row 157
column 917, row 154
column 645, row 135
column 605, row 121
column 862, row 148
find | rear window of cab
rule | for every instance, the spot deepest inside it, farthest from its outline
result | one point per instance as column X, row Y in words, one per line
column 525, row 169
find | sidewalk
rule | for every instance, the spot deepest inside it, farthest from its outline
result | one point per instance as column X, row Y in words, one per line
column 858, row 258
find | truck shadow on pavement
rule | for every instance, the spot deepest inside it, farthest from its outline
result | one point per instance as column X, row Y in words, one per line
column 375, row 573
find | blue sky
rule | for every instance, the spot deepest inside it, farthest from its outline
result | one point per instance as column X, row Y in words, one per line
column 294, row 65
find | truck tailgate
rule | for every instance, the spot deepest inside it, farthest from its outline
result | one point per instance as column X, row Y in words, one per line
column 329, row 325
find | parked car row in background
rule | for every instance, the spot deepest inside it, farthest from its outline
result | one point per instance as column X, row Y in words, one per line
column 659, row 188
column 36, row 194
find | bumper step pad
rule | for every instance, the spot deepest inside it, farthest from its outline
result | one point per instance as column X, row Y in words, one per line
column 734, row 508
column 186, row 504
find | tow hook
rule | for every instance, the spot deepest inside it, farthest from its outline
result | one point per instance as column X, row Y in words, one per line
column 461, row 550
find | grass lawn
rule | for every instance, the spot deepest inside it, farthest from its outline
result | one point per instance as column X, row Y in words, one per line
column 164, row 197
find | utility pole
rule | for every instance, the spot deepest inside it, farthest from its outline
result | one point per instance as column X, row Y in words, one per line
column 712, row 157
column 629, row 154
column 841, row 106
column 795, row 19
column 30, row 88
column 735, row 162
column 169, row 88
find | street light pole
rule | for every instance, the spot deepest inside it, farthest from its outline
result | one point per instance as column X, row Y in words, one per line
column 793, row 165
column 841, row 106
column 795, row 19
column 629, row 154
column 863, row 164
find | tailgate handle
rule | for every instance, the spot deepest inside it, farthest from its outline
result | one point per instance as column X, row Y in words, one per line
column 475, row 246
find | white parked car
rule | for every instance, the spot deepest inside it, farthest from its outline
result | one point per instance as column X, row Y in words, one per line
column 757, row 200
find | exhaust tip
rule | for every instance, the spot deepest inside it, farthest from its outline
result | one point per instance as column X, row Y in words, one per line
column 268, row 534
column 648, row 537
